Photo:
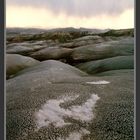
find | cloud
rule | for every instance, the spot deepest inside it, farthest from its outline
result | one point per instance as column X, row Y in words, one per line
column 80, row 8
column 42, row 18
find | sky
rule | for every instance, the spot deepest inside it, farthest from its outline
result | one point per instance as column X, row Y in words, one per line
column 101, row 14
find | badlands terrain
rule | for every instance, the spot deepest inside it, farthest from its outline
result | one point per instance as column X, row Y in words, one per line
column 70, row 84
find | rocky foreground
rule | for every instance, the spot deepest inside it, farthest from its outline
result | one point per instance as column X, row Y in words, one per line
column 70, row 86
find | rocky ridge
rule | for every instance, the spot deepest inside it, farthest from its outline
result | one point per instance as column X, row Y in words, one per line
column 55, row 78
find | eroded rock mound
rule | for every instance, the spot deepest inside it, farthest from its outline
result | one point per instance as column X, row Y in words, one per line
column 52, row 53
column 104, row 50
column 28, row 47
column 39, row 109
column 51, row 70
column 117, row 72
column 16, row 63
column 23, row 50
column 114, row 63
column 83, row 41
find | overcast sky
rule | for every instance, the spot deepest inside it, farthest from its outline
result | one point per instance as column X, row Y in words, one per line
column 65, row 13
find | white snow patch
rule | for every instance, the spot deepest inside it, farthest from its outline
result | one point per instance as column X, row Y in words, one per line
column 84, row 112
column 103, row 82
column 52, row 113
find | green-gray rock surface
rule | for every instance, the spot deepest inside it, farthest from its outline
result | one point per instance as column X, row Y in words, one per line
column 16, row 63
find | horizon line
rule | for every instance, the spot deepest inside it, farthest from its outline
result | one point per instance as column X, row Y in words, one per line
column 43, row 28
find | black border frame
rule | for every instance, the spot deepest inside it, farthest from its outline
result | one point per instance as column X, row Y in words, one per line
column 2, row 71
column 137, row 72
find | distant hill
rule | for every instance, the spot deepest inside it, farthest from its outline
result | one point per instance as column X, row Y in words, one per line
column 71, row 29
column 24, row 30
column 117, row 33
column 37, row 30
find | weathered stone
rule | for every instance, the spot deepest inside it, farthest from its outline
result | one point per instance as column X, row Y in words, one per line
column 116, row 72
column 23, row 50
column 83, row 41
column 52, row 53
column 51, row 69
column 30, row 92
column 104, row 50
column 114, row 63
column 16, row 63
